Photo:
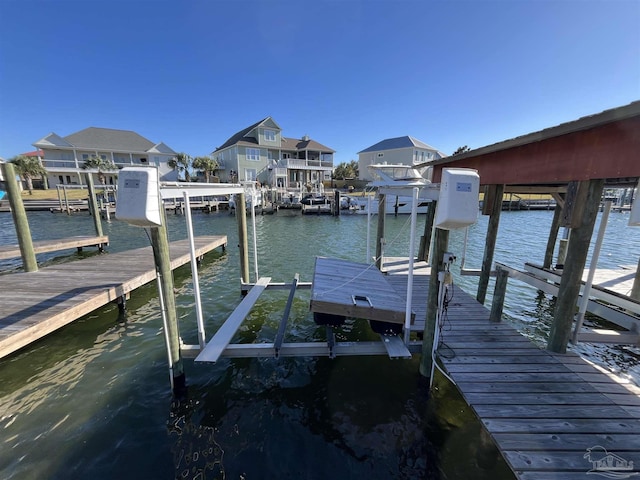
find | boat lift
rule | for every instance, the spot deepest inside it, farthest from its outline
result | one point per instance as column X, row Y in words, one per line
column 457, row 195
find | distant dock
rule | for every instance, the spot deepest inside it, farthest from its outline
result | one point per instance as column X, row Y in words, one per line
column 35, row 304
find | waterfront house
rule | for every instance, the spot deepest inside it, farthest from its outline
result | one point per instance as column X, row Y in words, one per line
column 64, row 157
column 400, row 150
column 261, row 153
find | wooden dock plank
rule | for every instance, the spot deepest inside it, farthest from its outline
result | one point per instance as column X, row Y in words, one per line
column 44, row 246
column 336, row 282
column 543, row 410
column 56, row 296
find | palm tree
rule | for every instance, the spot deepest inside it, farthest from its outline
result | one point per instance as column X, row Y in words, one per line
column 28, row 168
column 181, row 162
column 207, row 165
column 94, row 162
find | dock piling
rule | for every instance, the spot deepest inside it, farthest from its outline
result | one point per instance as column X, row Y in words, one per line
column 499, row 293
column 588, row 201
column 494, row 207
column 243, row 243
column 441, row 243
column 20, row 219
column 160, row 244
column 93, row 205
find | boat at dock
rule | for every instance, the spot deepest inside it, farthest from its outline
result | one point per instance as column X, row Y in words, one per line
column 395, row 176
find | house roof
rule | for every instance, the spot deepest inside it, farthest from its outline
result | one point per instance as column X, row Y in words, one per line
column 35, row 153
column 240, row 138
column 397, row 142
column 303, row 144
column 95, row 138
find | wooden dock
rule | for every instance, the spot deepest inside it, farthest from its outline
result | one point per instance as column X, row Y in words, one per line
column 35, row 304
column 44, row 246
column 552, row 416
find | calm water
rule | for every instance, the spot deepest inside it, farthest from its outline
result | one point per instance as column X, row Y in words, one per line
column 93, row 400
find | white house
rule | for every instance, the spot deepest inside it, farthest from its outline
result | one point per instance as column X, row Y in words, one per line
column 64, row 157
column 400, row 150
column 260, row 152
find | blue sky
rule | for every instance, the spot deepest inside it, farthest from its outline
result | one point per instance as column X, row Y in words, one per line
column 347, row 73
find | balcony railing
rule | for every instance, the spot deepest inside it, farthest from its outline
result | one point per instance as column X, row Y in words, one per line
column 303, row 163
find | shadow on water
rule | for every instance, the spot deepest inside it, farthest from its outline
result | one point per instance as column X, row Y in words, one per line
column 356, row 418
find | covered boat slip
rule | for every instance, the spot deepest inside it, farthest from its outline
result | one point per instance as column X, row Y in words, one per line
column 339, row 289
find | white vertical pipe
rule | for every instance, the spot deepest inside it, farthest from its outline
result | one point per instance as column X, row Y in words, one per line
column 163, row 314
column 592, row 270
column 412, row 239
column 464, row 248
column 253, row 223
column 368, row 228
column 194, row 270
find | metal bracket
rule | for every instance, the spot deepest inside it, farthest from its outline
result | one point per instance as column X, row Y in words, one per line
column 362, row 298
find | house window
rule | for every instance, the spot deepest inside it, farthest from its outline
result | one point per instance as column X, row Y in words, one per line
column 143, row 160
column 250, row 174
column 253, row 154
column 61, row 178
column 270, row 135
column 286, row 155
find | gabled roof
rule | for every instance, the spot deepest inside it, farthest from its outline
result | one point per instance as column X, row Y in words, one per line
column 161, row 148
column 241, row 136
column 292, row 144
column 397, row 142
column 52, row 140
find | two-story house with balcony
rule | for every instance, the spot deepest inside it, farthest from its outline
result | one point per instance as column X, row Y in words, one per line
column 261, row 153
column 400, row 150
column 64, row 157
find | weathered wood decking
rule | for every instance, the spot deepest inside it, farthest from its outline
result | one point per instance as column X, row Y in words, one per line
column 354, row 290
column 34, row 304
column 44, row 246
column 544, row 411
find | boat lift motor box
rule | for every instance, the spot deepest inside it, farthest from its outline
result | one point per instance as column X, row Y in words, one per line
column 458, row 201
column 139, row 197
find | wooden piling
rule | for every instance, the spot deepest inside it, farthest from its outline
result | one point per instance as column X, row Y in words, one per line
column 160, row 244
column 20, row 219
column 553, row 235
column 441, row 244
column 588, row 201
column 336, row 203
column 425, row 240
column 243, row 242
column 495, row 192
column 93, row 204
column 499, row 294
column 380, row 233
column 66, row 201
column 635, row 290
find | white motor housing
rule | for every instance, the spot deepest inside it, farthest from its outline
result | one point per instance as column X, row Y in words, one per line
column 458, row 203
column 139, row 196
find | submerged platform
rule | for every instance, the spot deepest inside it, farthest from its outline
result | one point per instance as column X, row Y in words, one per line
column 355, row 290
